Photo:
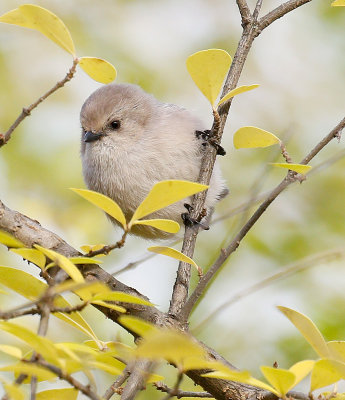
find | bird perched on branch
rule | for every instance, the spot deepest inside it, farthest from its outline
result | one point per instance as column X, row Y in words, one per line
column 130, row 141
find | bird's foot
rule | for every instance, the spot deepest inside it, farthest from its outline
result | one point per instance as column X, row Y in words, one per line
column 194, row 222
column 207, row 137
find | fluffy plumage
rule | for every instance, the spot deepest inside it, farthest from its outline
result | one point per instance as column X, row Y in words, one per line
column 138, row 142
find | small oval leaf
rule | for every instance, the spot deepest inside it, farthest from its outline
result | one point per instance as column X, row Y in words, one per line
column 58, row 394
column 166, row 225
column 208, row 69
column 170, row 252
column 11, row 351
column 300, row 168
column 103, row 202
column 325, row 373
column 165, row 193
column 42, row 20
column 281, row 379
column 251, row 137
column 236, row 91
column 308, row 329
column 84, row 260
column 98, row 69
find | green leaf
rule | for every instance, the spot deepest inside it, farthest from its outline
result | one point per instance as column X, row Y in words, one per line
column 32, row 255
column 281, row 379
column 42, row 20
column 9, row 241
column 308, row 329
column 338, row 3
column 165, row 193
column 208, row 69
column 11, row 351
column 235, row 92
column 40, row 344
column 166, row 225
column 98, row 69
column 170, row 252
column 300, row 168
column 325, row 372
column 252, row 137
column 58, row 394
column 63, row 262
column 103, row 202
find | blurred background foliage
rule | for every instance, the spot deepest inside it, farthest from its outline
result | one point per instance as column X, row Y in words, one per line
column 299, row 63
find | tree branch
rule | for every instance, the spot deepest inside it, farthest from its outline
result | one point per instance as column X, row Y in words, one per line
column 5, row 137
column 181, row 393
column 244, row 11
column 290, row 178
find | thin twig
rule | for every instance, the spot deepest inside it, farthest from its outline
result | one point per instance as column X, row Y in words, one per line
column 115, row 387
column 257, row 10
column 181, row 393
column 289, row 270
column 173, row 392
column 279, row 12
column 5, row 137
column 290, row 178
column 108, row 248
column 85, row 389
column 244, row 11
column 18, row 313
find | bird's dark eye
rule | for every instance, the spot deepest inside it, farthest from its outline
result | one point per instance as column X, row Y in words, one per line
column 115, row 124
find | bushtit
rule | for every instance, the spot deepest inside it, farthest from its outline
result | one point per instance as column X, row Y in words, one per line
column 130, row 141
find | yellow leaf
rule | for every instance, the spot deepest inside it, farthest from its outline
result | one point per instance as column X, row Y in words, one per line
column 42, row 374
column 110, row 365
column 84, row 260
column 87, row 248
column 136, row 325
column 281, row 379
column 236, row 91
column 98, row 69
column 152, row 378
column 11, row 351
column 251, row 137
column 32, row 255
column 91, row 289
column 73, row 348
column 325, row 372
column 9, row 241
column 32, row 288
column 108, row 305
column 63, row 262
column 14, row 391
column 103, row 202
column 302, row 369
column 38, row 343
column 22, row 282
column 173, row 346
column 122, row 297
column 338, row 3
column 300, row 168
column 58, row 394
column 170, row 252
column 165, row 193
column 42, row 20
column 337, row 350
column 208, row 69
column 308, row 329
column 166, row 225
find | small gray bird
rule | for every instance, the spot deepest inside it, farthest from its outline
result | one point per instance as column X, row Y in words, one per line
column 130, row 141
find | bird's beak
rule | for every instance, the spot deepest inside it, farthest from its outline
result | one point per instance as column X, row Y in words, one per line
column 91, row 136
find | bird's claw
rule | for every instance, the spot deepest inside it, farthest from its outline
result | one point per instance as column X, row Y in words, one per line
column 206, row 135
column 191, row 222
